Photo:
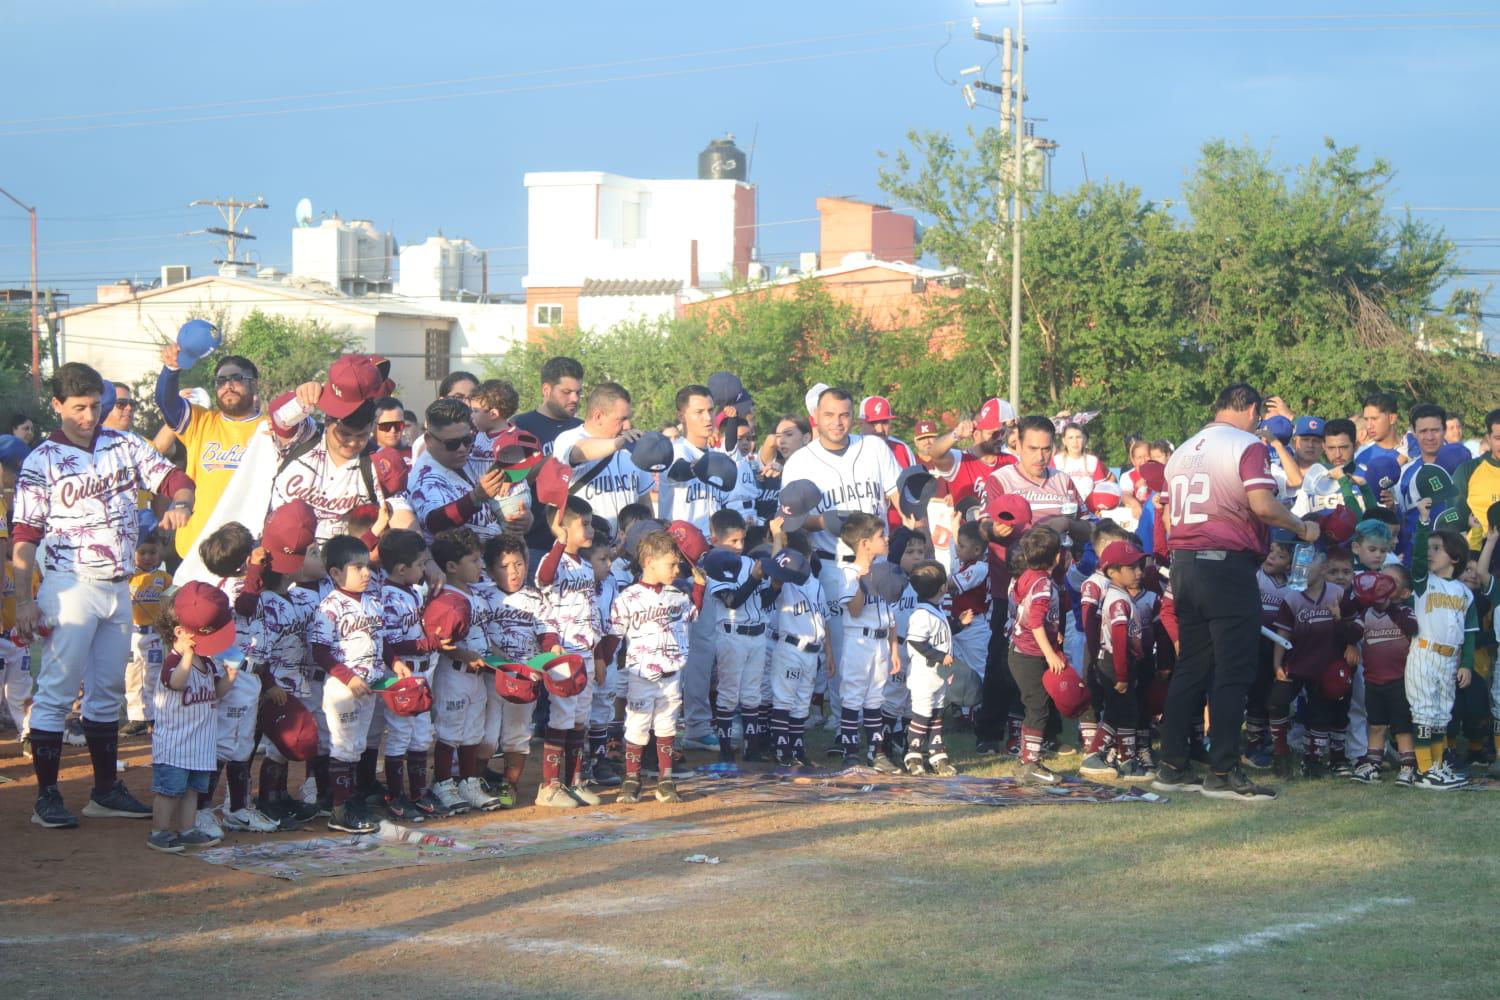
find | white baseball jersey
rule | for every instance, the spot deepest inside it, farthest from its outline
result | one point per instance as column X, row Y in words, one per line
column 904, row 609
column 859, row 478
column 1441, row 610
column 350, row 626
column 246, row 628
column 282, row 622
column 481, row 455
column 520, row 629
column 569, row 607
column 693, row 501
column 930, row 626
column 432, row 487
column 401, row 621
column 801, row 611
column 654, row 622
column 619, row 484
column 80, row 506
column 875, row 615
column 331, row 488
column 747, row 614
column 185, row 732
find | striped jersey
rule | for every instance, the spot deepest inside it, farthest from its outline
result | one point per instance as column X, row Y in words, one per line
column 185, row 731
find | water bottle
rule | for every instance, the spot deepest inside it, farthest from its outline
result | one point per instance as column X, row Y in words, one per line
column 1302, row 558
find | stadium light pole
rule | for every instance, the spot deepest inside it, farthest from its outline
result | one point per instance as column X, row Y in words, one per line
column 36, row 358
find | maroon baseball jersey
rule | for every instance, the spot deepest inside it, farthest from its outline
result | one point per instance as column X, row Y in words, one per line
column 1209, row 481
column 1387, row 637
column 1053, row 495
column 1272, row 597
column 1037, row 606
column 1315, row 625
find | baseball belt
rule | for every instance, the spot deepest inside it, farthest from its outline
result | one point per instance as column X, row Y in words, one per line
column 743, row 629
column 873, row 633
column 1437, row 647
column 806, row 645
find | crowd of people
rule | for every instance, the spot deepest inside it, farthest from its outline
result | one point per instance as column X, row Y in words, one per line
column 391, row 615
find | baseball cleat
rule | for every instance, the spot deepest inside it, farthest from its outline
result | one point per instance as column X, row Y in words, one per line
column 474, row 794
column 630, row 791
column 914, row 765
column 404, row 810
column 666, row 791
column 137, row 728
column 1136, row 770
column 73, row 734
column 1281, row 764
column 555, row 796
column 249, row 820
column 987, row 748
column 605, row 774
column 207, row 822
column 584, row 796
column 347, row 818
column 51, row 813
column 448, row 796
column 1235, row 786
column 1314, row 768
column 116, row 802
column 941, row 768
column 197, row 838
column 881, row 763
column 429, row 805
column 1340, row 769
column 1259, row 759
column 164, row 841
column 1366, row 773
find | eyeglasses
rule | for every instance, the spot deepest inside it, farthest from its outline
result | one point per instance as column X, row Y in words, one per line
column 124, row 404
column 453, row 444
column 234, row 378
column 391, row 426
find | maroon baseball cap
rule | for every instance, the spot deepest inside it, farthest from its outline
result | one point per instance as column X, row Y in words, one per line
column 1119, row 553
column 289, row 533
column 291, row 727
column 204, row 612
column 875, row 409
column 566, row 676
column 447, row 617
column 1154, row 475
column 353, row 380
column 925, row 429
column 1338, row 525
column 1009, row 508
column 552, row 481
column 408, row 696
column 1067, row 691
column 390, row 471
column 690, row 541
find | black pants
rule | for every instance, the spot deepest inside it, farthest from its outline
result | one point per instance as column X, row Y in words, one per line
column 1028, row 671
column 1218, row 613
column 1000, row 693
column 1119, row 711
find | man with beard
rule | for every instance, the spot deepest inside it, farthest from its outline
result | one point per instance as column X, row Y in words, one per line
column 214, row 440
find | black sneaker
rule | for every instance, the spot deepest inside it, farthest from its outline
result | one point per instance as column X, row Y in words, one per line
column 51, row 813
column 137, row 728
column 302, row 812
column 1281, row 764
column 881, row 763
column 1236, row 786
column 785, row 760
column 605, row 774
column 666, row 791
column 835, row 751
column 491, row 780
column 117, row 802
column 349, row 818
column 988, row 748
column 1176, row 779
column 403, row 810
column 280, row 811
column 1312, row 767
column 630, row 791
column 1040, row 774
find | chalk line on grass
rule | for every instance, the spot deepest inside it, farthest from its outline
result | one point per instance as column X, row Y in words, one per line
column 1267, row 936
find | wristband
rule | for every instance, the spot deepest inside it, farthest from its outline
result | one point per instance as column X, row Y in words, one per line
column 180, row 505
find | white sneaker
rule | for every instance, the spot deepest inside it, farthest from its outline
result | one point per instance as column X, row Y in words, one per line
column 206, row 823
column 555, row 796
column 1441, row 779
column 308, row 792
column 250, row 820
column 584, row 796
column 474, row 794
column 452, row 799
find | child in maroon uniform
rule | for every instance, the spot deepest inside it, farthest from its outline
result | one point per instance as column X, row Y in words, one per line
column 1271, row 578
column 1388, row 630
column 1036, row 643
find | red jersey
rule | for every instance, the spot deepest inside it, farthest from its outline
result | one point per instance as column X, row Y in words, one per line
column 1316, row 627
column 972, row 589
column 1387, row 638
column 1209, row 481
column 1038, row 605
column 964, row 480
column 1272, row 597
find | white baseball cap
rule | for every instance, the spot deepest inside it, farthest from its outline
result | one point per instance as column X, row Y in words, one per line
column 811, row 399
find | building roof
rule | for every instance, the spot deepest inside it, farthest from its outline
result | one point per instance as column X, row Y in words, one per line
column 370, row 305
column 852, row 263
column 630, row 286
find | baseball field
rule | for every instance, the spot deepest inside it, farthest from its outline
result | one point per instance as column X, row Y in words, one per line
column 1334, row 890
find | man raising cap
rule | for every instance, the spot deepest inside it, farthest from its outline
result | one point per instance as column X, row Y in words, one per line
column 605, row 437
column 562, row 389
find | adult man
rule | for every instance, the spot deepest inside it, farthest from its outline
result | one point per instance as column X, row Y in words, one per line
column 562, row 387
column 390, row 426
column 1222, row 498
column 214, row 440
column 1380, row 420
column 76, row 500
column 1307, row 478
column 604, row 440
column 1478, row 483
column 444, row 491
column 875, row 418
column 1427, row 423
column 960, row 473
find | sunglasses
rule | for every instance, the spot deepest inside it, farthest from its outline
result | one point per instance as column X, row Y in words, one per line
column 390, row 426
column 124, row 404
column 453, row 444
column 221, row 381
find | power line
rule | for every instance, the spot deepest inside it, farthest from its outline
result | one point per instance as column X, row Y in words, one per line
column 1394, row 15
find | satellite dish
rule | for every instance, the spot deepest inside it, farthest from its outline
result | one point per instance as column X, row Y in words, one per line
column 304, row 212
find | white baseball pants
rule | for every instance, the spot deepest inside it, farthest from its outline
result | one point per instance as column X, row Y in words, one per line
column 236, row 723
column 929, row 690
column 697, row 675
column 142, row 674
column 972, row 646
column 793, row 672
column 407, row 733
column 458, row 705
column 349, row 718
column 651, row 707
column 572, row 711
column 863, row 671
column 740, row 661
column 1431, row 686
column 17, row 682
column 832, row 582
column 88, row 648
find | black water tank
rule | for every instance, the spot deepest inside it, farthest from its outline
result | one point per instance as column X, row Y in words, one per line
column 722, row 161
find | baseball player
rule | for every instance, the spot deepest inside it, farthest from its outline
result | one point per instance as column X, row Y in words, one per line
column 442, row 485
column 653, row 618
column 1442, row 655
column 929, row 649
column 907, row 548
column 1127, row 613
column 76, row 502
column 799, row 633
column 1389, row 627
column 604, row 438
column 408, row 738
column 571, row 611
column 735, row 585
column 147, row 587
column 869, row 648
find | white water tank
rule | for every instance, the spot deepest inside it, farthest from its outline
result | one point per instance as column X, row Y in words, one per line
column 440, row 268
column 353, row 256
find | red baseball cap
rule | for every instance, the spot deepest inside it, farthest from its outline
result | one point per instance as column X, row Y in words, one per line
column 1338, row 525
column 1067, row 691
column 390, row 470
column 448, row 617
column 1104, row 496
column 408, row 696
column 290, row 726
column 289, row 533
column 516, row 452
column 566, row 676
column 1335, row 682
column 1154, row 475
column 1119, row 553
column 552, row 481
column 1011, row 508
column 353, row 380
column 690, row 541
column 994, row 414
column 925, row 429
column 875, row 409
column 204, row 611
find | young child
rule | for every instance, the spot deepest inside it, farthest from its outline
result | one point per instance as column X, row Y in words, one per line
column 1388, row 630
column 224, row 554
column 199, row 625
column 869, row 649
column 1271, row 579
column 653, row 619
column 147, row 587
column 597, row 767
column 345, row 640
column 571, row 612
column 1097, row 739
column 907, row 548
column 799, row 626
column 929, row 650
column 740, row 649
column 1441, row 659
column 408, row 738
column 1036, row 642
column 521, row 634
column 1127, row 615
column 461, row 691
column 969, row 600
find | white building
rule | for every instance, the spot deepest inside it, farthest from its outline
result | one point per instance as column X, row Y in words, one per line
column 353, row 256
column 440, row 268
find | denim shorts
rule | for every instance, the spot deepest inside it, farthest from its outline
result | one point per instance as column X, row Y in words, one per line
column 173, row 781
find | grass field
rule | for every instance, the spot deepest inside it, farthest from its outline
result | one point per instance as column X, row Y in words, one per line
column 1333, row 890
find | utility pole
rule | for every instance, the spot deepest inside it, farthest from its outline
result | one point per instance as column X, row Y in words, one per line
column 1020, row 195
column 230, row 211
column 36, row 353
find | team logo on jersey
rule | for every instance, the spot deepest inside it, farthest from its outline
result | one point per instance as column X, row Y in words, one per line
column 217, row 457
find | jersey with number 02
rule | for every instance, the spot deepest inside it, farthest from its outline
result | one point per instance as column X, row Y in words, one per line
column 618, row 484
column 858, row 478
column 655, row 622
column 350, row 625
column 1209, row 480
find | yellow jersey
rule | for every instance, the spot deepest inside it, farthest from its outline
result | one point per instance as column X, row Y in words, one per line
column 1478, row 485
column 215, row 444
column 146, row 591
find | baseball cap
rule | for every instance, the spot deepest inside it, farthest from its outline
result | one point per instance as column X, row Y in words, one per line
column 1105, row 495
column 1448, row 519
column 1451, row 456
column 1067, row 691
column 1119, row 553
column 390, row 470
column 106, row 398
column 516, row 452
column 914, row 487
column 1371, row 587
column 724, row 388
column 1154, row 475
column 1338, row 525
column 811, row 398
column 1381, row 471
column 353, row 380
column 290, row 531
column 407, row 696
column 799, row 498
column 637, row 531
column 743, row 403
column 874, row 409
column 1278, row 427
column 1010, row 508
column 448, row 617
column 717, row 470
column 722, row 566
column 290, row 726
column 690, row 541
column 888, row 582
column 652, row 451
column 565, row 676
column 994, row 414
column 204, row 611
column 513, row 682
column 13, row 451
column 196, row 340
column 1308, row 427
column 552, row 481
column 1433, row 481
column 925, row 429
column 1335, row 682
column 788, row 566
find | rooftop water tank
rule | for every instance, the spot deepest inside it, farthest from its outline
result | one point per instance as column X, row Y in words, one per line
column 722, row 161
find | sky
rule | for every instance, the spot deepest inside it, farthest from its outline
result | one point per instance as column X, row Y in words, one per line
column 423, row 118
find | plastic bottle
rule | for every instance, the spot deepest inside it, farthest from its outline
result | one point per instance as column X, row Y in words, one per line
column 1302, row 558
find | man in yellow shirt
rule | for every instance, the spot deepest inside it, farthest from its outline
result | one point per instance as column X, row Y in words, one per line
column 1477, row 483
column 214, row 440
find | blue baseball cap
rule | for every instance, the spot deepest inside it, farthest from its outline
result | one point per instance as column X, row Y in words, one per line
column 106, row 399
column 1279, row 428
column 1378, row 468
column 196, row 340
column 717, row 470
column 652, row 452
column 1308, row 427
column 1452, row 455
column 13, row 451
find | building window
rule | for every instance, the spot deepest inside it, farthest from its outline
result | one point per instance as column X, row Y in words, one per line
column 549, row 316
column 438, row 357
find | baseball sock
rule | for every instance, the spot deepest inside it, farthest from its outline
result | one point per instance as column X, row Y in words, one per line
column 1126, row 744
column 576, row 741
column 237, row 777
column 889, row 723
column 416, row 772
column 937, row 752
column 598, row 740
column 341, row 775
column 1426, row 748
column 1338, row 746
column 751, row 717
column 321, row 778
column 365, row 772
column 796, row 730
column 104, row 749
column 763, row 719
column 849, row 719
column 1317, row 744
column 206, row 799
column 1257, row 729
column 395, row 774
column 664, row 756
column 1031, row 745
column 780, row 725
column 1407, row 759
column 874, row 731
column 469, row 763
column 633, row 752
column 916, row 736
column 272, row 778
column 46, row 757
column 724, row 729
column 444, row 761
column 1198, row 741
column 1088, row 734
column 1279, row 729
column 1103, row 739
column 1013, row 734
